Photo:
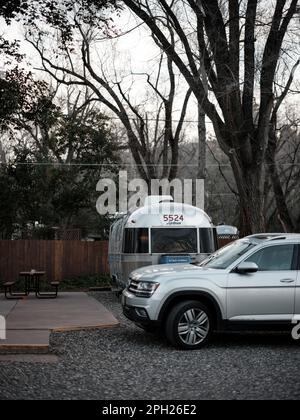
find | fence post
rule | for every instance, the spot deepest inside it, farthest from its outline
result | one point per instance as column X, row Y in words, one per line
column 2, row 328
column 58, row 260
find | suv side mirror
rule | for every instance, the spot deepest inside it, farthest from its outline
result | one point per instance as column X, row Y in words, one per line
column 247, row 268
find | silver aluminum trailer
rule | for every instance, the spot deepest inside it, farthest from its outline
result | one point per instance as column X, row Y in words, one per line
column 161, row 228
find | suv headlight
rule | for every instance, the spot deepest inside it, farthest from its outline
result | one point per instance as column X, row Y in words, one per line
column 143, row 288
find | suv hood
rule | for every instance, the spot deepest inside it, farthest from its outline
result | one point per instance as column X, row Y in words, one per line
column 153, row 271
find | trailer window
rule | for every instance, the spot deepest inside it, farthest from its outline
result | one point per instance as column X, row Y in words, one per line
column 136, row 241
column 174, row 241
column 208, row 240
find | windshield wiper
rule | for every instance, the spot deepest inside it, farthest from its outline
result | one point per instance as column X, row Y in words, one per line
column 206, row 261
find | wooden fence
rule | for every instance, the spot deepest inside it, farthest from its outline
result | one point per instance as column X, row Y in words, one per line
column 226, row 239
column 60, row 259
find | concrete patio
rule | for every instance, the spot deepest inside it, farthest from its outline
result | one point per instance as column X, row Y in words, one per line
column 30, row 321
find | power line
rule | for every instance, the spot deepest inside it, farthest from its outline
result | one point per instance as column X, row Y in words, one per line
column 160, row 120
column 177, row 121
column 131, row 165
column 103, row 164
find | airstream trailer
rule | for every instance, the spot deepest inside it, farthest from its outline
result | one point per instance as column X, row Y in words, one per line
column 160, row 232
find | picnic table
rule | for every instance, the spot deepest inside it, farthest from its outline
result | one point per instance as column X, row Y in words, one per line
column 32, row 281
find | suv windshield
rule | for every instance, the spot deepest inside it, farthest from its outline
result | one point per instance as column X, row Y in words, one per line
column 223, row 258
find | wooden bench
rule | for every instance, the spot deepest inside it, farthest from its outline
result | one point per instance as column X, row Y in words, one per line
column 55, row 284
column 9, row 293
column 50, row 295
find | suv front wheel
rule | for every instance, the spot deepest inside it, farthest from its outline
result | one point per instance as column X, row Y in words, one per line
column 189, row 325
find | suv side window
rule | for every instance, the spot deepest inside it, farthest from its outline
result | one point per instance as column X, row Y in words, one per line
column 274, row 258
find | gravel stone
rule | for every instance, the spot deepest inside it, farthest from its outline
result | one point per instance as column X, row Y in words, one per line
column 127, row 363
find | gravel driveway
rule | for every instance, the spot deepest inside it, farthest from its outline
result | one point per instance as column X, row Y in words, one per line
column 126, row 363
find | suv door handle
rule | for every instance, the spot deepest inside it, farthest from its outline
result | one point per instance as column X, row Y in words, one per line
column 287, row 281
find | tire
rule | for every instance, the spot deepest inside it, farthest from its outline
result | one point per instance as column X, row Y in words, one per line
column 195, row 322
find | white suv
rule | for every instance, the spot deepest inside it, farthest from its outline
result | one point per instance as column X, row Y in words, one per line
column 253, row 282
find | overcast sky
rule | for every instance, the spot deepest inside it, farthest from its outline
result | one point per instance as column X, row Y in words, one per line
column 135, row 51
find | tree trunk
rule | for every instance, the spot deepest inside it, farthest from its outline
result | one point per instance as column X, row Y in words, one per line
column 250, row 182
column 283, row 213
column 174, row 161
column 201, row 173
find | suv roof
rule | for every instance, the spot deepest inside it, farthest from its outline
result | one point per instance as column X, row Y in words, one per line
column 265, row 237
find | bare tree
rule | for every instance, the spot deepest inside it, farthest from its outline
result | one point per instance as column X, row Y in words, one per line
column 153, row 136
column 282, row 209
column 222, row 28
column 288, row 171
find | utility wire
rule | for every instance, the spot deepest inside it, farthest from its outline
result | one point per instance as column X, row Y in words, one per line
column 131, row 165
column 160, row 120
